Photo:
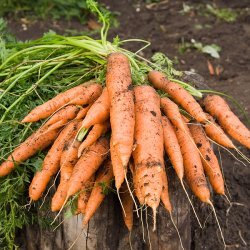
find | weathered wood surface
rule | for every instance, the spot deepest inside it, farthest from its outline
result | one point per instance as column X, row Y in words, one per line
column 107, row 231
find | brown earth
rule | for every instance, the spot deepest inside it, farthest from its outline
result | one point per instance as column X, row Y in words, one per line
column 165, row 27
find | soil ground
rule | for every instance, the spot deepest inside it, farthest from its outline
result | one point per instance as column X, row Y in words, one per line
column 165, row 27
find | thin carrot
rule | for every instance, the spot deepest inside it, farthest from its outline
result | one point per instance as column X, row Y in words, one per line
column 219, row 109
column 178, row 94
column 148, row 153
column 215, row 132
column 193, row 169
column 120, row 91
column 84, row 195
column 164, row 194
column 95, row 133
column 67, row 162
column 209, row 159
column 128, row 205
column 51, row 162
column 172, row 147
column 87, row 165
column 98, row 193
column 118, row 169
column 28, row 148
column 82, row 113
column 99, row 111
column 79, row 95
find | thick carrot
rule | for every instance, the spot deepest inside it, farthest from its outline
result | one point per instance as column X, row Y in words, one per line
column 51, row 162
column 87, row 165
column 193, row 169
column 67, row 162
column 178, row 94
column 95, row 133
column 101, row 185
column 171, row 110
column 164, row 194
column 128, row 205
column 148, row 153
column 219, row 109
column 118, row 169
column 84, row 195
column 209, row 159
column 215, row 132
column 28, row 148
column 79, row 95
column 99, row 111
column 172, row 147
column 120, row 91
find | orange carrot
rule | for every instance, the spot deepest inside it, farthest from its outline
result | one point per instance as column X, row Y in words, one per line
column 209, row 159
column 99, row 111
column 164, row 194
column 82, row 113
column 95, row 133
column 101, row 185
column 128, row 206
column 118, row 170
column 51, row 162
column 219, row 109
column 171, row 110
column 28, row 148
column 215, row 132
column 120, row 91
column 87, row 165
column 193, row 169
column 178, row 94
column 148, row 153
column 67, row 162
column 79, row 95
column 84, row 195
column 172, row 147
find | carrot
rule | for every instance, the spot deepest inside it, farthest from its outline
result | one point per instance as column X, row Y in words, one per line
column 120, row 91
column 67, row 162
column 28, row 148
column 193, row 169
column 84, row 195
column 94, row 134
column 99, row 111
column 82, row 113
column 178, row 94
column 209, row 159
column 97, row 195
column 51, row 162
column 118, row 169
column 171, row 110
column 128, row 205
column 215, row 132
column 148, row 153
column 79, row 95
column 164, row 194
column 172, row 147
column 87, row 165
column 219, row 109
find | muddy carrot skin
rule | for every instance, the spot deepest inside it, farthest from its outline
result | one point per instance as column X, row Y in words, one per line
column 215, row 132
column 218, row 108
column 51, row 163
column 103, row 181
column 178, row 94
column 120, row 91
column 209, row 159
column 148, row 153
column 80, row 95
column 165, row 194
column 88, row 164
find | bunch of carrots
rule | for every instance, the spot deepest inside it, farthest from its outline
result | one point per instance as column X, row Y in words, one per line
column 122, row 132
